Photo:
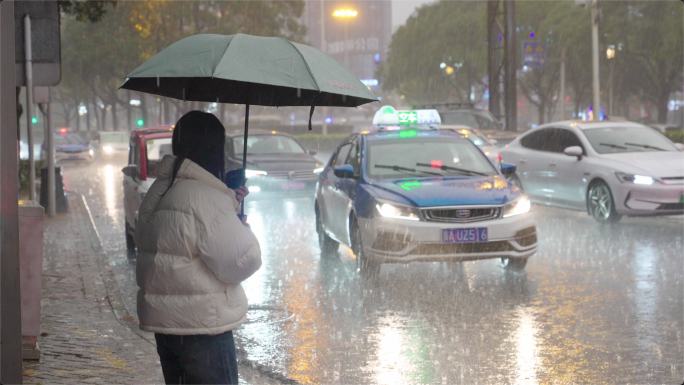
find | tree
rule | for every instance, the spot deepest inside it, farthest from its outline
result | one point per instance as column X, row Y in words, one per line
column 648, row 37
column 446, row 32
column 101, row 55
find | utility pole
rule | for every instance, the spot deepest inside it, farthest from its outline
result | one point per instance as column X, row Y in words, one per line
column 510, row 86
column 324, row 48
column 494, row 30
column 29, row 106
column 595, row 18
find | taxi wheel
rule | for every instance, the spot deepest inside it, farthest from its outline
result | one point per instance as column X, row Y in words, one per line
column 130, row 243
column 327, row 244
column 600, row 203
column 364, row 265
column 513, row 264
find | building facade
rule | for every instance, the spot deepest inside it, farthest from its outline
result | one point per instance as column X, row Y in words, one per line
column 359, row 40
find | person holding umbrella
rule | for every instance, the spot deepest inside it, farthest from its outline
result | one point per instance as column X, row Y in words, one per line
column 193, row 252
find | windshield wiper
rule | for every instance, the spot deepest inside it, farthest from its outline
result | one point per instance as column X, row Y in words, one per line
column 448, row 168
column 399, row 168
column 613, row 146
column 645, row 146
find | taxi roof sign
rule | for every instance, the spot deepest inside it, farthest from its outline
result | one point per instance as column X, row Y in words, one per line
column 388, row 116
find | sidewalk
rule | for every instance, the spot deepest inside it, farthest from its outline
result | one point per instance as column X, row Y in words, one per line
column 87, row 335
column 82, row 340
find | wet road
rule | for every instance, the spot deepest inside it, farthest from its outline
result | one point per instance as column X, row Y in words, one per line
column 595, row 304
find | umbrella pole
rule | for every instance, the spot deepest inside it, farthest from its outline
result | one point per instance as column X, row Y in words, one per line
column 244, row 152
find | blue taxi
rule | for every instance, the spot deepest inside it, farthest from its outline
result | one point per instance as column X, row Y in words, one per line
column 421, row 195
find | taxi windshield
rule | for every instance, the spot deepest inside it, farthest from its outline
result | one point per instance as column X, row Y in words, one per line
column 68, row 139
column 405, row 158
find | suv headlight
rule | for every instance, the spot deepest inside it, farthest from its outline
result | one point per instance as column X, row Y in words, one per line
column 519, row 206
column 636, row 179
column 396, row 210
column 252, row 173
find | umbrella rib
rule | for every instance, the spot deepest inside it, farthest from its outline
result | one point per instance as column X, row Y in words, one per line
column 305, row 63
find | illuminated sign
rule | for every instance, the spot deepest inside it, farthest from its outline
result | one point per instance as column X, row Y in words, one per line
column 369, row 82
column 408, row 118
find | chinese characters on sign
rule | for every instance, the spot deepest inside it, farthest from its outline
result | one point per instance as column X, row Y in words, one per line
column 408, row 117
column 354, row 45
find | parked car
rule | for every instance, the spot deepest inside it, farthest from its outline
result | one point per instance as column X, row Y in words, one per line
column 276, row 163
column 421, row 195
column 113, row 142
column 464, row 114
column 607, row 168
column 146, row 148
column 69, row 146
column 487, row 145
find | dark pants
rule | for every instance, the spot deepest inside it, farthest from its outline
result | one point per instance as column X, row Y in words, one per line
column 198, row 359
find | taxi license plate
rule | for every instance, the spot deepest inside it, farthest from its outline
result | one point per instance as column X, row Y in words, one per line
column 469, row 234
column 293, row 186
column 681, row 198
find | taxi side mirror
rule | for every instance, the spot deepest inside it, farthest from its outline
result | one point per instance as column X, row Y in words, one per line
column 508, row 168
column 344, row 171
column 312, row 152
column 130, row 171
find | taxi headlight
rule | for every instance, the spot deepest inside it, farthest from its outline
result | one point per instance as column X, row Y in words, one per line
column 318, row 170
column 636, row 179
column 108, row 148
column 254, row 173
column 397, row 211
column 519, row 206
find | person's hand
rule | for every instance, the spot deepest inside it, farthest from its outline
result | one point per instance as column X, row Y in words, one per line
column 241, row 192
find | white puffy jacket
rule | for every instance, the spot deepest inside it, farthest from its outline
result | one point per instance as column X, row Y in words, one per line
column 193, row 252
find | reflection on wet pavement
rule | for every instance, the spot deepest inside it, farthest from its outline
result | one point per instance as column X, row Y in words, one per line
column 596, row 304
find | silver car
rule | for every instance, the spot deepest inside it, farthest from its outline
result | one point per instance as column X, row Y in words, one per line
column 608, row 168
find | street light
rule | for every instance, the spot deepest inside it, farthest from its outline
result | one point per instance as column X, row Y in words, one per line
column 345, row 13
column 449, row 70
column 610, row 52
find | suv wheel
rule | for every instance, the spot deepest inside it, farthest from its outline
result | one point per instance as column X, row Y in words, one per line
column 327, row 244
column 600, row 203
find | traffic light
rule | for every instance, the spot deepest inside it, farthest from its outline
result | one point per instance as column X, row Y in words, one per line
column 140, row 122
column 34, row 120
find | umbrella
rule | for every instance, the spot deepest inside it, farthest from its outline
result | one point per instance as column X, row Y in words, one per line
column 250, row 70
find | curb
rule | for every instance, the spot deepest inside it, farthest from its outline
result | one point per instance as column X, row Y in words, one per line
column 124, row 317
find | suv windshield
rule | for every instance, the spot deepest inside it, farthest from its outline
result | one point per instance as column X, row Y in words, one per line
column 268, row 145
column 471, row 118
column 607, row 140
column 402, row 158
column 156, row 149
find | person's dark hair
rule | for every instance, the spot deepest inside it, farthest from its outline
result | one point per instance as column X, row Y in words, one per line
column 200, row 137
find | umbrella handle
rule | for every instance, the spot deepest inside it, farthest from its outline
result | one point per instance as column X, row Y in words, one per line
column 244, row 154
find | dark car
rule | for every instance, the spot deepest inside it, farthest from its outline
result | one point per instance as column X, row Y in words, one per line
column 276, row 163
column 69, row 146
column 464, row 114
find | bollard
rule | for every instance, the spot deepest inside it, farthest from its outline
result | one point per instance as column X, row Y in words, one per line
column 31, row 272
column 60, row 195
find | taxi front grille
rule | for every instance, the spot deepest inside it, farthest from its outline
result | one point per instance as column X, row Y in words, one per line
column 462, row 248
column 461, row 215
column 292, row 175
column 73, row 151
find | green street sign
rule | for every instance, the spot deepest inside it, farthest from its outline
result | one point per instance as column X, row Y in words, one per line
column 408, row 118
